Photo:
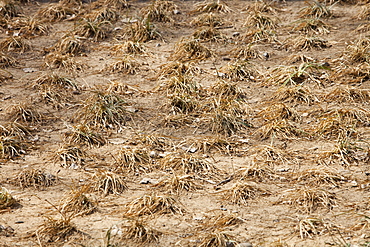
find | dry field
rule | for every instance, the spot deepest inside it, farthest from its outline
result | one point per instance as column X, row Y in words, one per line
column 185, row 123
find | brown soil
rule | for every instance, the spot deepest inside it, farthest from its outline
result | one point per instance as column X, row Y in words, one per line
column 284, row 204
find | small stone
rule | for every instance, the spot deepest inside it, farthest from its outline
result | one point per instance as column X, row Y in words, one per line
column 235, row 34
column 176, row 12
column 29, row 70
column 244, row 245
column 158, row 45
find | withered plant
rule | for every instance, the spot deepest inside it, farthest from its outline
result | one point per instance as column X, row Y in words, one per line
column 208, row 6
column 279, row 128
column 11, row 147
column 153, row 204
column 66, row 62
column 257, row 171
column 292, row 75
column 351, row 74
column 227, row 89
column 217, row 239
column 103, row 14
column 188, row 164
column 25, row 112
column 55, row 12
column 55, row 230
column 15, row 129
column 156, row 142
column 176, row 184
column 15, row 43
column 358, row 51
column 278, row 111
column 206, row 144
column 239, row 71
column 180, row 85
column 84, row 135
column 54, row 96
column 69, row 44
column 107, row 183
column 7, row 60
column 77, row 203
column 242, row 192
column 183, row 103
column 260, row 36
column 95, row 29
column 6, row 199
column 294, row 94
column 10, row 8
column 56, row 79
column 245, row 52
column 312, row 25
column 320, row 176
column 116, row 4
column 333, row 127
column 299, row 59
column 70, row 156
column 263, row 6
column 306, row 43
column 344, row 153
column 349, row 115
column 222, row 220
column 309, row 199
column 348, row 94
column 190, row 49
column 128, row 48
column 159, row 10
column 142, row 31
column 126, row 65
column 208, row 34
column 310, row 227
column 260, row 20
column 315, row 9
column 138, row 231
column 271, row 155
column 208, row 19
column 133, row 160
column 103, row 109
column 365, row 12
column 34, row 178
column 178, row 68
column 33, row 26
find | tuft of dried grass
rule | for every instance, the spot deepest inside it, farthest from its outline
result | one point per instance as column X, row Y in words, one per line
column 279, row 128
column 317, row 177
column 69, row 45
column 58, row 60
column 128, row 48
column 15, row 130
column 133, row 160
column 6, row 199
column 262, row 21
column 208, row 19
column 95, row 29
column 11, row 147
column 306, row 43
column 140, row 232
column 227, row 89
column 208, row 6
column 159, row 10
column 239, row 71
column 55, row 79
column 206, row 144
column 10, row 8
column 222, row 220
column 260, row 36
column 190, row 49
column 345, row 153
column 178, row 69
column 245, row 52
column 82, row 134
column 358, row 51
column 295, row 94
column 311, row 226
column 25, row 112
column 257, row 171
column 142, row 31
column 180, row 85
column 153, row 204
column 70, row 155
column 208, row 34
column 242, row 192
column 177, row 184
column 263, row 7
column 278, row 111
column 348, row 94
column 271, row 155
column 33, row 26
column 333, row 127
column 55, row 230
column 309, row 199
column 103, row 14
column 7, row 60
column 55, row 12
column 311, row 25
column 107, row 183
column 77, row 203
column 315, row 9
column 15, row 43
column 34, row 178
column 184, row 104
column 126, row 65
column 217, row 239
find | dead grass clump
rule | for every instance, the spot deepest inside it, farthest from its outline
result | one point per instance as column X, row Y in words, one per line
column 77, row 203
column 180, row 85
column 55, row 79
column 315, row 9
column 57, row 60
column 359, row 51
column 245, row 52
column 310, row 227
column 257, row 171
column 333, row 127
column 271, row 155
column 138, row 231
column 16, row 43
column 260, row 20
column 116, row 4
column 102, row 109
column 184, row 104
column 142, row 31
column 82, row 134
column 26, row 113
column 348, row 94
column 242, row 192
column 351, row 74
column 206, row 144
column 177, row 68
column 263, row 6
column 128, row 48
column 33, row 26
column 55, row 12
column 108, row 183
column 133, row 160
column 103, row 14
column 208, row 19
column 345, row 153
column 153, row 204
column 70, row 44
column 299, row 58
column 320, row 176
column 55, row 230
column 365, row 12
column 278, row 111
column 239, row 71
column 306, row 43
column 349, row 115
column 6, row 199
column 10, row 8
column 187, row 163
column 34, row 178
column 11, row 147
column 279, row 128
column 159, row 10
column 15, row 129
column 55, row 96
column 70, row 155
column 176, row 184
column 309, row 200
column 260, row 36
column 7, row 60
column 190, row 49
column 228, row 90
column 294, row 94
column 312, row 25
column 223, row 220
column 217, row 239
column 97, row 30
column 208, row 6
column 126, row 65
column 208, row 34
column 156, row 142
